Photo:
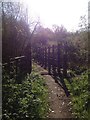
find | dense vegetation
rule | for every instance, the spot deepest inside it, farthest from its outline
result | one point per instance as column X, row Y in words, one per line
column 80, row 95
column 25, row 100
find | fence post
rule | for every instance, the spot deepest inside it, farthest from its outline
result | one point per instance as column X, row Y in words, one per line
column 58, row 59
column 41, row 54
column 65, row 65
column 42, row 57
column 28, row 59
column 37, row 52
column 53, row 60
column 45, row 58
column 49, row 61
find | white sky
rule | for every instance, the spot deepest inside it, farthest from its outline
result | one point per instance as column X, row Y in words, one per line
column 65, row 12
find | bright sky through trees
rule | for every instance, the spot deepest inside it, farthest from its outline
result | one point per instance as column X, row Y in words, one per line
column 65, row 12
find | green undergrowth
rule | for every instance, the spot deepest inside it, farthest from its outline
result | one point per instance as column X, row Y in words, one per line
column 80, row 95
column 25, row 100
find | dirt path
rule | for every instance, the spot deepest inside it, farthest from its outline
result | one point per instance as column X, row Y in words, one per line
column 60, row 105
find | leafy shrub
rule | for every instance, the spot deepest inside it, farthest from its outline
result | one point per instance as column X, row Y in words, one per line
column 80, row 95
column 26, row 100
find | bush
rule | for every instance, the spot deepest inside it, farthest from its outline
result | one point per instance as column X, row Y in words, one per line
column 26, row 100
column 80, row 95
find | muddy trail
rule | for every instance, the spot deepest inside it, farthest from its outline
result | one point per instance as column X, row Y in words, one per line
column 59, row 103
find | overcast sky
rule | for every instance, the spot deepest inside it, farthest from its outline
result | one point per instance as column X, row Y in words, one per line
column 65, row 12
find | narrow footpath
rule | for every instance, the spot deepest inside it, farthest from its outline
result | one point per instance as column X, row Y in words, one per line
column 59, row 103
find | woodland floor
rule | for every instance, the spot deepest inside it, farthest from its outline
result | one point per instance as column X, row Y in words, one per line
column 59, row 103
